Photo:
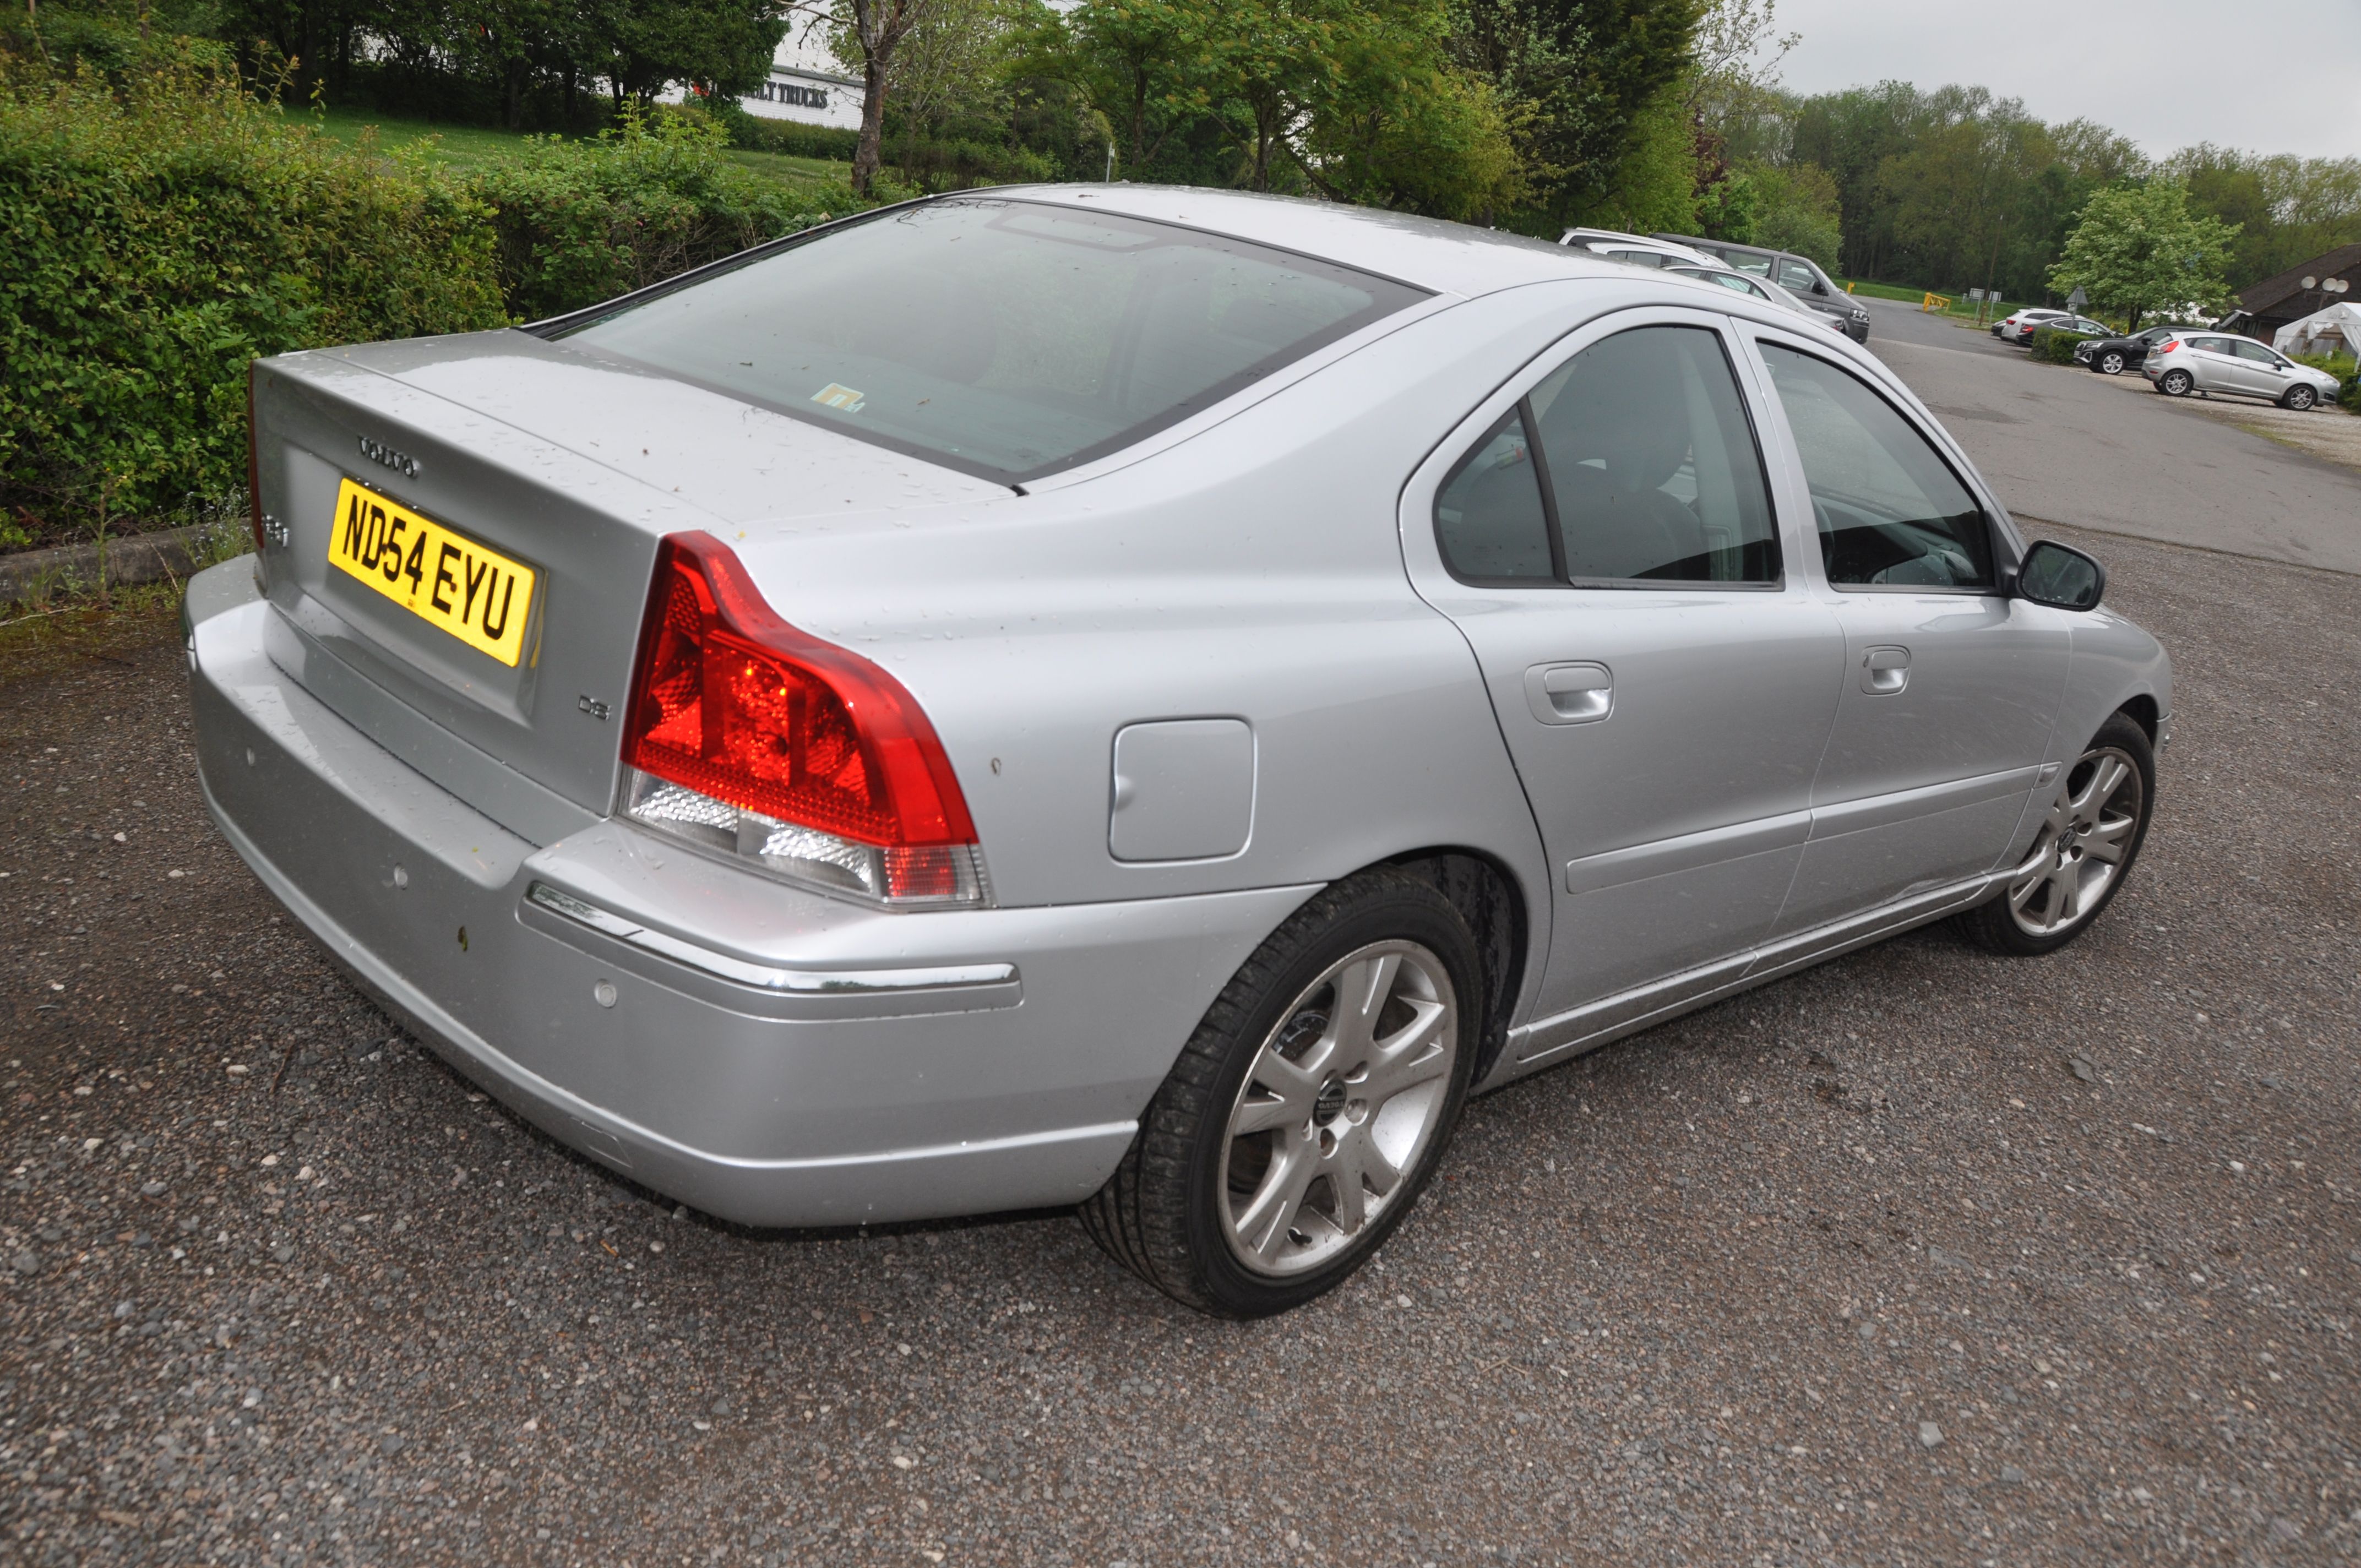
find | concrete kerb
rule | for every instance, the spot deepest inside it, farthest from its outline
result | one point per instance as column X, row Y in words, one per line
column 33, row 575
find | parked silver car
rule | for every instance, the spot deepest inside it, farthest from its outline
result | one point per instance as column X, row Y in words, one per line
column 2225, row 362
column 1739, row 282
column 1131, row 697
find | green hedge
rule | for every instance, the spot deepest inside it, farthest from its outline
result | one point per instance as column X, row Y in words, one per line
column 161, row 234
column 581, row 221
column 2053, row 347
column 790, row 137
column 161, row 238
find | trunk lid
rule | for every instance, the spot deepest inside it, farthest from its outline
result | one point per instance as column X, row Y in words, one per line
column 569, row 468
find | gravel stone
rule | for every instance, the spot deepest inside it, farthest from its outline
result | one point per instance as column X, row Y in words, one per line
column 1564, row 1358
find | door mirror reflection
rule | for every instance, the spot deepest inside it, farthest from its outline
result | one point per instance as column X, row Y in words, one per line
column 2061, row 577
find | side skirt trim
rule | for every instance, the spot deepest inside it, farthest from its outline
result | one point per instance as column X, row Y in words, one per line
column 1584, row 1028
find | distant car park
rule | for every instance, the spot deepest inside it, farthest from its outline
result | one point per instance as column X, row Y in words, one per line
column 2114, row 356
column 1635, row 250
column 1755, row 288
column 2213, row 362
column 1800, row 274
column 2065, row 323
column 2016, row 325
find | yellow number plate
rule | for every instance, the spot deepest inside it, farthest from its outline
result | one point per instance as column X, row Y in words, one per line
column 447, row 579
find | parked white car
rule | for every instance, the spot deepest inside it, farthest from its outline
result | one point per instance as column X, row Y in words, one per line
column 1638, row 250
column 2225, row 362
column 2008, row 329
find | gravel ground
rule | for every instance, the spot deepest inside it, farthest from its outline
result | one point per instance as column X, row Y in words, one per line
column 1924, row 1256
column 2327, row 431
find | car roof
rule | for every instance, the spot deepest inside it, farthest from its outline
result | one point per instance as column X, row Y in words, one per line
column 1449, row 258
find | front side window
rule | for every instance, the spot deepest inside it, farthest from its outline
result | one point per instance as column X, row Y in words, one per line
column 1891, row 514
column 1796, row 275
column 2249, row 349
column 1005, row 338
column 1632, row 463
column 1746, row 262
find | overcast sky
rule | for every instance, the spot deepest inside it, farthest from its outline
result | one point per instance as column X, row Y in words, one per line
column 2269, row 75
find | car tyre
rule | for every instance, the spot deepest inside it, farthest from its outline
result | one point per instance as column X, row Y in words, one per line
column 2085, row 847
column 2175, row 383
column 2111, row 363
column 2300, row 397
column 1299, row 1125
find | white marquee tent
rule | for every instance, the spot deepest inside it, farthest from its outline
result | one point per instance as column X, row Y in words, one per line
column 2337, row 330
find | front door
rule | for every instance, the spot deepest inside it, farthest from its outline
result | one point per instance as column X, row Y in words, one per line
column 1950, row 685
column 1608, row 546
column 2264, row 373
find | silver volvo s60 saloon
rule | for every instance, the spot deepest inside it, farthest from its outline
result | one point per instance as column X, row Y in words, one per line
column 1133, row 697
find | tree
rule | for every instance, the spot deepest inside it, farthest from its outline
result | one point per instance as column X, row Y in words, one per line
column 2140, row 250
column 1580, row 83
column 869, row 34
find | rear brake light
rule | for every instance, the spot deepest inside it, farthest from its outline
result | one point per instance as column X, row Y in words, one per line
column 2167, row 346
column 253, row 465
column 800, row 757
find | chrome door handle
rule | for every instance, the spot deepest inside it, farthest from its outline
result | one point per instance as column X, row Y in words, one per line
column 1570, row 694
column 1884, row 672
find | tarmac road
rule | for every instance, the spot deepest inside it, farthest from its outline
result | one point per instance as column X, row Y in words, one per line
column 2068, row 446
column 1924, row 1257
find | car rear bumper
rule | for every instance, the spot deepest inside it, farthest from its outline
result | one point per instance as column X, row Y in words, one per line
column 767, row 1056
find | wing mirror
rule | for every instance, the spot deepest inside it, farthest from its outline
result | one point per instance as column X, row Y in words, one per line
column 2060, row 577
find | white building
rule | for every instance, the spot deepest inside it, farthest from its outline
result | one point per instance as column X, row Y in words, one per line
column 807, row 82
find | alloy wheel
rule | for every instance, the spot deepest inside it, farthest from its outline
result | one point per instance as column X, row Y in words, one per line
column 2300, row 399
column 2079, row 850
column 2175, row 383
column 1337, row 1107
column 2111, row 364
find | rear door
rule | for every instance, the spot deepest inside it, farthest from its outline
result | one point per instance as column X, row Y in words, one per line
column 1950, row 685
column 1603, row 534
column 2213, row 363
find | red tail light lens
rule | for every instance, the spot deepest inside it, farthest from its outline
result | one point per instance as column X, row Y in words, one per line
column 752, row 736
column 2167, row 346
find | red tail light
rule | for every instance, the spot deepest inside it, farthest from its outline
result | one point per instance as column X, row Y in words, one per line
column 804, row 756
column 253, row 465
column 2167, row 346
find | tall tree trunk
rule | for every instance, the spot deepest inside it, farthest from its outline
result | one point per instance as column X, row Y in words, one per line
column 869, row 151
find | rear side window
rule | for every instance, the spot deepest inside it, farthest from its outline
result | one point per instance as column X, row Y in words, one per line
column 1890, row 512
column 1005, row 338
column 1632, row 463
column 1488, row 517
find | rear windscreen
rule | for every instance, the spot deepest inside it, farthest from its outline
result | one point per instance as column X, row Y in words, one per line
column 1003, row 337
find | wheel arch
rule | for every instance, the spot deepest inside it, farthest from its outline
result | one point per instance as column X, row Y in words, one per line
column 1494, row 904
column 2141, row 709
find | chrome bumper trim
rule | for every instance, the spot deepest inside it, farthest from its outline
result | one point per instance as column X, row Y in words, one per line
column 806, row 981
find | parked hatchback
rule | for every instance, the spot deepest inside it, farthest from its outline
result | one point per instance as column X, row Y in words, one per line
column 2211, row 362
column 1134, row 698
column 1799, row 275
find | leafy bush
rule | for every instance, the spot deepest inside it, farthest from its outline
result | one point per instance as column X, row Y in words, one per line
column 160, row 237
column 790, row 137
column 164, row 232
column 2053, row 345
column 581, row 221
